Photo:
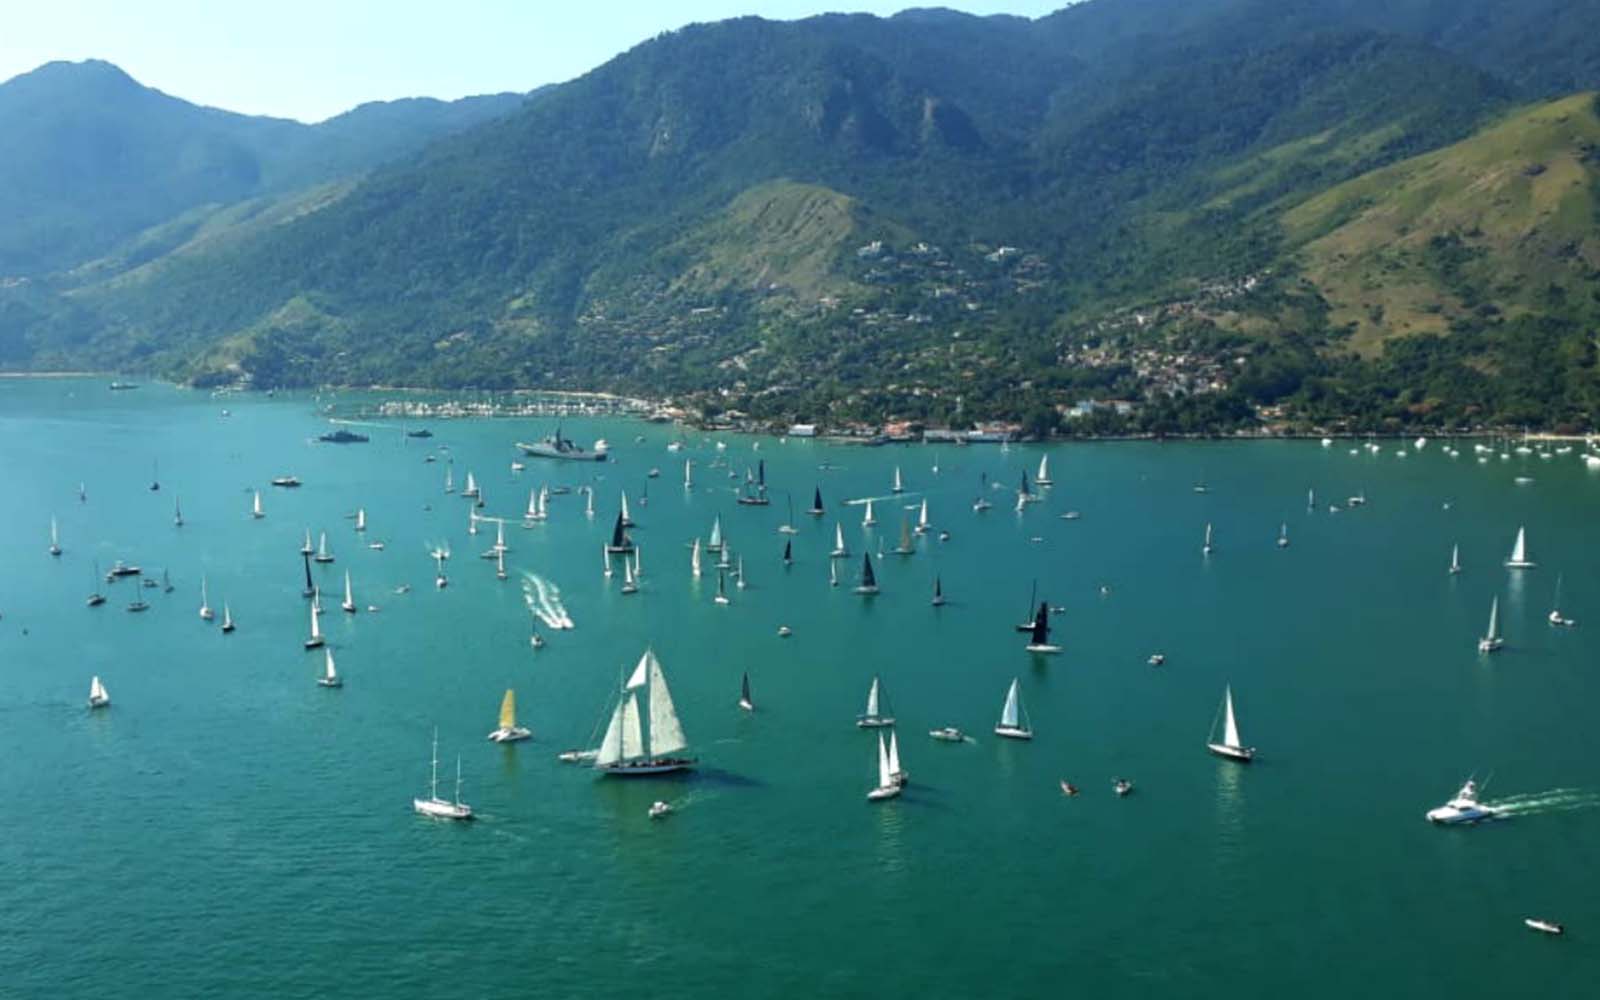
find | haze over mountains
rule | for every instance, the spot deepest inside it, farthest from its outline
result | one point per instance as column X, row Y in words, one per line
column 1347, row 208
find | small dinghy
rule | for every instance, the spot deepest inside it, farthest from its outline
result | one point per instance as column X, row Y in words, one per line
column 948, row 734
column 659, row 809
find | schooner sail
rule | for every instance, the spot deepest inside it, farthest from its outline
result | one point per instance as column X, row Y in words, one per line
column 628, row 748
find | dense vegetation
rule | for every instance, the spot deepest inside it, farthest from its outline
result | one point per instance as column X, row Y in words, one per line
column 1188, row 203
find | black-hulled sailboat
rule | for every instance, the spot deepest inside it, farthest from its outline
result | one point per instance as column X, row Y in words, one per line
column 755, row 493
column 620, row 542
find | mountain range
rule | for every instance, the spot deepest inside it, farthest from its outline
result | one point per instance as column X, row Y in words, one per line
column 1335, row 212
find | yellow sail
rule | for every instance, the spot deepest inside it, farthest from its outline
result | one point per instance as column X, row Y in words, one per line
column 508, row 710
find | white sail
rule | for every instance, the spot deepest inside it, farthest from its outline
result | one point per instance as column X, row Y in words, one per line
column 349, row 600
column 1494, row 619
column 472, row 485
column 872, row 700
column 1011, row 714
column 316, row 626
column 1230, row 727
column 330, row 673
column 205, row 604
column 533, row 505
column 867, row 519
column 361, row 519
column 885, row 774
column 694, row 558
column 322, row 545
column 894, row 754
column 1519, row 551
column 625, row 517
column 641, row 673
column 688, row 472
column 638, row 564
column 1044, row 470
column 666, row 735
column 256, row 507
column 227, row 616
column 544, row 502
column 1455, row 558
column 922, row 516
column 632, row 737
column 611, row 744
column 838, row 537
column 898, row 486
column 97, row 691
column 588, row 506
column 716, row 534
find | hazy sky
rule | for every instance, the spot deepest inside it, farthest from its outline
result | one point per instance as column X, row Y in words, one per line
column 310, row 59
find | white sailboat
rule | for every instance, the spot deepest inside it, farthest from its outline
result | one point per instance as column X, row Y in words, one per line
column 306, row 548
column 1230, row 746
column 833, row 573
column 255, row 508
column 177, row 513
column 922, row 518
column 722, row 588
column 1311, row 498
column 1043, row 476
column 1205, row 548
column 323, row 555
column 694, row 558
column 440, row 580
column 897, row 774
column 1013, row 724
column 361, row 519
column 1491, row 641
column 714, row 544
column 98, row 698
column 688, row 473
column 315, row 639
column 1455, row 559
column 1555, row 617
column 588, row 503
column 438, row 808
column 867, row 520
column 471, row 490
column 738, row 574
column 627, row 519
column 206, row 614
column 629, row 584
column 509, row 731
column 500, row 565
column 349, row 602
column 227, row 619
column 1283, row 535
column 1519, row 552
column 330, row 677
column 877, row 715
column 628, row 749
column 449, row 480
column 898, row 486
column 745, row 701
column 839, row 550
column 886, row 787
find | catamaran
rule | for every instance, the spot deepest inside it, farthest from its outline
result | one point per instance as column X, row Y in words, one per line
column 255, row 508
column 323, row 555
column 1491, row 641
column 869, row 581
column 886, row 788
column 98, row 698
column 1013, row 724
column 839, row 550
column 330, row 677
column 1455, row 559
column 1039, row 635
column 509, row 731
column 1042, row 478
column 867, row 520
column 349, row 602
column 745, row 701
column 755, row 491
column 1555, row 617
column 627, row 749
column 1519, row 552
column 1230, row 746
column 877, row 714
column 438, row 808
column 206, row 614
column 315, row 639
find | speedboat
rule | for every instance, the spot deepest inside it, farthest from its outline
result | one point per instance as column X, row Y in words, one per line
column 1543, row 926
column 1068, row 788
column 659, row 809
column 289, row 482
column 785, row 631
column 1157, row 659
column 577, row 756
column 1122, row 786
column 949, row 734
column 1464, row 808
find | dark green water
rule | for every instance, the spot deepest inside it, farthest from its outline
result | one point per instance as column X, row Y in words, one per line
column 228, row 828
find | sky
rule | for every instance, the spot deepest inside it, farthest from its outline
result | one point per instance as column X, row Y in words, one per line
column 311, row 59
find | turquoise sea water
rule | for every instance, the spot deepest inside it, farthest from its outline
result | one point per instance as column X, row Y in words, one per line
column 229, row 828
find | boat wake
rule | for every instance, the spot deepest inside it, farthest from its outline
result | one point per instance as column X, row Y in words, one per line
column 544, row 601
column 1553, row 801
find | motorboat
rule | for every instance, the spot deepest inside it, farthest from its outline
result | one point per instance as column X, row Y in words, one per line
column 1543, row 926
column 577, row 756
column 1464, row 808
column 948, row 734
column 1157, row 659
column 659, row 809
column 785, row 631
column 1122, row 786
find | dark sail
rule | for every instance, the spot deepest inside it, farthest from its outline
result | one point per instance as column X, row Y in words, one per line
column 867, row 577
column 721, row 583
column 310, row 589
column 744, row 690
column 788, row 552
column 1041, row 625
column 761, row 472
column 816, row 501
column 938, row 591
column 619, row 534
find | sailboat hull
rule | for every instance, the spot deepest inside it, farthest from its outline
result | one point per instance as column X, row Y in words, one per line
column 1243, row 755
column 330, row 682
column 1013, row 732
column 510, row 734
column 883, row 792
column 1042, row 647
column 640, row 768
column 314, row 642
column 875, row 722
column 440, row 809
